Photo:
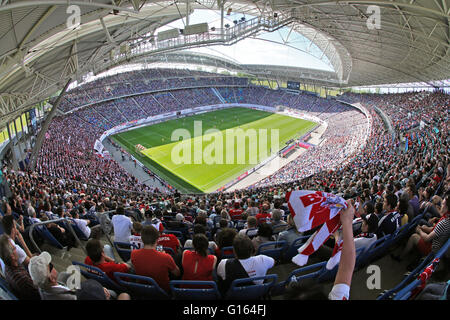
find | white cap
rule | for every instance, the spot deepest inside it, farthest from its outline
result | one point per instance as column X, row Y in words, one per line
column 38, row 268
column 179, row 217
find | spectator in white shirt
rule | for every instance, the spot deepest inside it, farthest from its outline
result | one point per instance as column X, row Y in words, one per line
column 122, row 225
column 136, row 238
column 82, row 224
column 245, row 264
column 251, row 229
column 368, row 235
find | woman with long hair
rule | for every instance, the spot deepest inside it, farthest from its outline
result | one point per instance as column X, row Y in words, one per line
column 198, row 265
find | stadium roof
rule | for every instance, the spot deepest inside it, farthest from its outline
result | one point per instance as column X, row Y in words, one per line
column 40, row 51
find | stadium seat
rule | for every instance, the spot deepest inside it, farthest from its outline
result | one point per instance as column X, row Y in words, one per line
column 46, row 235
column 326, row 275
column 223, row 255
column 207, row 290
column 374, row 251
column 236, row 217
column 405, row 293
column 292, row 250
column 77, row 230
column 2, row 268
column 5, row 287
column 140, row 287
column 239, row 224
column 411, row 276
column 279, row 228
column 274, row 249
column 26, row 222
column 91, row 272
column 124, row 249
column 306, row 272
column 216, row 222
column 246, row 289
column 263, row 220
column 169, row 251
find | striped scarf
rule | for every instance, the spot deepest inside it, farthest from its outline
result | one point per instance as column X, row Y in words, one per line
column 336, row 255
column 310, row 209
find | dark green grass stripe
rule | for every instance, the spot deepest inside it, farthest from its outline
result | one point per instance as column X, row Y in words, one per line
column 180, row 184
column 221, row 120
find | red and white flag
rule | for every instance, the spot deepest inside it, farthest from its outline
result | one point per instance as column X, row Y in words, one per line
column 336, row 255
column 310, row 209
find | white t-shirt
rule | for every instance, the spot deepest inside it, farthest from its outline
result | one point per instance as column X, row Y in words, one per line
column 255, row 266
column 35, row 220
column 122, row 228
column 82, row 224
column 365, row 242
column 340, row 291
column 251, row 232
column 20, row 252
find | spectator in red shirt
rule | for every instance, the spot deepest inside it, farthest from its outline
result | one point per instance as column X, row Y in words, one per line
column 197, row 264
column 96, row 257
column 168, row 240
column 264, row 214
column 151, row 263
column 236, row 212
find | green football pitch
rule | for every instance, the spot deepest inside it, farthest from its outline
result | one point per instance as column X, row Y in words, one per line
column 194, row 160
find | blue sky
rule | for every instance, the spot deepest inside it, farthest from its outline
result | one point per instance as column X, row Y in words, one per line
column 268, row 48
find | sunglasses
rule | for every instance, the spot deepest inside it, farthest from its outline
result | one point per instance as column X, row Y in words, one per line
column 50, row 265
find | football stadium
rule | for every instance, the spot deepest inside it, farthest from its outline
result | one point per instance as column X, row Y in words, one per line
column 206, row 151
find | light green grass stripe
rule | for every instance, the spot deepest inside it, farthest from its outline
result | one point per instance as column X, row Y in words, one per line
column 209, row 180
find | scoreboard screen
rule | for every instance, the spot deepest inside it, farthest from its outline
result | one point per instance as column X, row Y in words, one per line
column 293, row 85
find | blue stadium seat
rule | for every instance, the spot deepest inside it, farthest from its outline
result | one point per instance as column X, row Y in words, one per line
column 80, row 234
column 292, row 250
column 239, row 224
column 207, row 291
column 306, row 272
column 140, row 287
column 326, row 275
column 46, row 235
column 411, row 276
column 226, row 256
column 91, row 272
column 124, row 249
column 405, row 293
column 371, row 253
column 216, row 222
column 169, row 251
column 4, row 285
column 274, row 249
column 246, row 289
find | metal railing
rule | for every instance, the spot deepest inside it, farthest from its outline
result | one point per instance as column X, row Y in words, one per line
column 226, row 36
column 67, row 223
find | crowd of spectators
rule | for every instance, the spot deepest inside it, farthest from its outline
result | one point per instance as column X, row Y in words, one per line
column 389, row 184
column 143, row 81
